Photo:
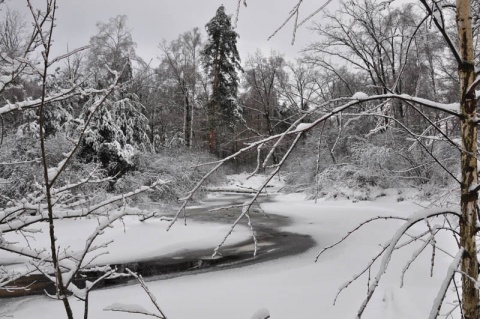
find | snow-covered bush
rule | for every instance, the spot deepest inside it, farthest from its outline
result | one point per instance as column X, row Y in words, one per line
column 360, row 168
column 174, row 165
column 116, row 134
column 26, row 176
column 18, row 179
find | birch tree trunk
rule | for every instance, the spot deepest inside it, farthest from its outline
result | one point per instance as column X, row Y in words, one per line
column 468, row 224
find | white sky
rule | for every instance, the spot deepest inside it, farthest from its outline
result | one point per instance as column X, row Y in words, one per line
column 154, row 20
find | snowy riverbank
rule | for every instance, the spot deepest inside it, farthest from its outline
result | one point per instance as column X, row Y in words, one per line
column 291, row 287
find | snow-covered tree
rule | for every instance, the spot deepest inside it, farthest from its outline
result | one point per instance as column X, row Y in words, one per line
column 117, row 132
column 120, row 129
column 222, row 62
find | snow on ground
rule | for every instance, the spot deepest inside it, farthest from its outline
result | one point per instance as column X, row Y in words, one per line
column 291, row 287
column 131, row 238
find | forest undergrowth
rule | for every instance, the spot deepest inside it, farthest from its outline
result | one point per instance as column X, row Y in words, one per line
column 363, row 168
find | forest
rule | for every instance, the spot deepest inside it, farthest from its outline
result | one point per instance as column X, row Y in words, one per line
column 381, row 103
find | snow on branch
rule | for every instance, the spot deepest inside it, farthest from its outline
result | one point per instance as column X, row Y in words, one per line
column 360, row 96
column 59, row 213
column 130, row 308
column 249, row 204
column 314, row 13
column 414, row 219
column 104, row 223
column 89, row 179
column 472, row 87
column 28, row 104
column 121, row 197
column 238, row 10
column 450, row 108
column 62, row 95
column 137, row 309
column 261, row 314
column 390, row 246
column 191, row 193
column 66, row 55
column 20, row 162
column 437, row 304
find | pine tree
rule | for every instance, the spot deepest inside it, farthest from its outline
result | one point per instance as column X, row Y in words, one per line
column 222, row 62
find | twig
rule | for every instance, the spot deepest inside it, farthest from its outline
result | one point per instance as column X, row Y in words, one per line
column 150, row 295
column 356, row 229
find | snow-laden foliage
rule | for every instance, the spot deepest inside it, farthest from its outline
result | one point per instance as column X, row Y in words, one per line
column 116, row 133
column 56, row 118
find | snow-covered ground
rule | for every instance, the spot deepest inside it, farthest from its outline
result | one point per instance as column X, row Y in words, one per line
column 291, row 287
column 131, row 239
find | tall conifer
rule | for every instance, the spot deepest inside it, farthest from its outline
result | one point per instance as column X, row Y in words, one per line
column 222, row 62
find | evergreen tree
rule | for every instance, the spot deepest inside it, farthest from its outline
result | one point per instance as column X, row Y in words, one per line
column 222, row 62
column 119, row 129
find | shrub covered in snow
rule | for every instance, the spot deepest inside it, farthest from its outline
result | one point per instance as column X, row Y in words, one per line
column 360, row 168
column 116, row 133
column 21, row 166
column 176, row 165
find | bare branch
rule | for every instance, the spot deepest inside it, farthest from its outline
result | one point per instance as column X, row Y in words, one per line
column 249, row 204
column 356, row 229
column 441, row 28
column 314, row 13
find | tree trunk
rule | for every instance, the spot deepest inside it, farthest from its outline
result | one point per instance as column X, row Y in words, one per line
column 188, row 123
column 187, row 120
column 212, row 123
column 466, row 71
column 211, row 143
column 212, row 116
